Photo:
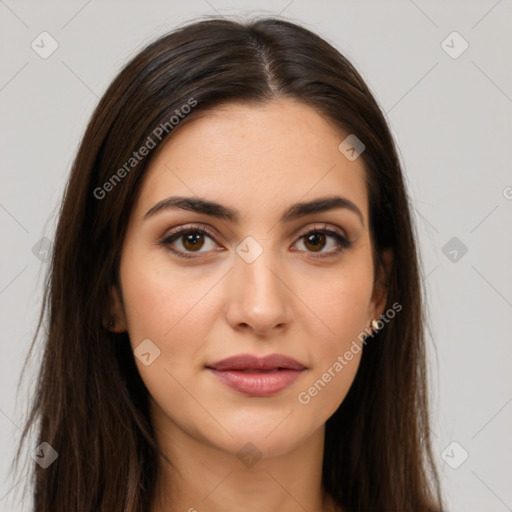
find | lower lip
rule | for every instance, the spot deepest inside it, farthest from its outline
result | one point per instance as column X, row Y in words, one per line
column 258, row 383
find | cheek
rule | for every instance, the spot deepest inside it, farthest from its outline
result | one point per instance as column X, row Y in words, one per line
column 337, row 317
column 169, row 307
column 338, row 302
column 159, row 299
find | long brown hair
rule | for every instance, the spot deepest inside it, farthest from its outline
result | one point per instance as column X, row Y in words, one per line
column 90, row 404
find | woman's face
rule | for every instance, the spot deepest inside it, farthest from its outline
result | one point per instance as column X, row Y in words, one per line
column 254, row 284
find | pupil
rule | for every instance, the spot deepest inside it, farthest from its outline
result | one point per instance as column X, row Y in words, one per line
column 191, row 240
column 315, row 237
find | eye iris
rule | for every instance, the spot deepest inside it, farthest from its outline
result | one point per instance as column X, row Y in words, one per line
column 314, row 237
column 193, row 237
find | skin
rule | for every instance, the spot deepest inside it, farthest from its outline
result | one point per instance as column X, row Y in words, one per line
column 259, row 160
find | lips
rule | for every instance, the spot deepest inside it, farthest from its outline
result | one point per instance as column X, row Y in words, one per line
column 249, row 362
column 257, row 376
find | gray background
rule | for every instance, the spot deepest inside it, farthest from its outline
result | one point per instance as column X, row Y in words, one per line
column 452, row 121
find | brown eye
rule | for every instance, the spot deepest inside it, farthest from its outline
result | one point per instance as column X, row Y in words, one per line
column 192, row 241
column 315, row 241
column 187, row 241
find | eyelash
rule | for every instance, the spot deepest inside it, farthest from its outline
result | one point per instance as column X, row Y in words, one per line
column 343, row 242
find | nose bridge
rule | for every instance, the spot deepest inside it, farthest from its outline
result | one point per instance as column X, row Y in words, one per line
column 259, row 297
column 258, row 275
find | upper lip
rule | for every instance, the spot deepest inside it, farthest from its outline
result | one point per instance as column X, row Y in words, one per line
column 250, row 362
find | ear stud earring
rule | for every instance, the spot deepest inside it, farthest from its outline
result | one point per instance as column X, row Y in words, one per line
column 109, row 324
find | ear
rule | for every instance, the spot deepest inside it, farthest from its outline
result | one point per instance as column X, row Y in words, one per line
column 380, row 290
column 117, row 319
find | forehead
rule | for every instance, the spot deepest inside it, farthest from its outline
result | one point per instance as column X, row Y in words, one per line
column 255, row 156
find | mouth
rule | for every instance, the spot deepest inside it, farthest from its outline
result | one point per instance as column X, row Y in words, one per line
column 254, row 376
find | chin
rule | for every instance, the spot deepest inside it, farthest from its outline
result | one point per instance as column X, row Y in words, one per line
column 270, row 434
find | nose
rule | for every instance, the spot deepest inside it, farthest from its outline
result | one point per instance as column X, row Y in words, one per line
column 258, row 297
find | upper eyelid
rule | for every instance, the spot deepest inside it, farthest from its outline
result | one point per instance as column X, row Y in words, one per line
column 324, row 225
column 194, row 227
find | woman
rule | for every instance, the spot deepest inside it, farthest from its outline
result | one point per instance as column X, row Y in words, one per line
column 235, row 318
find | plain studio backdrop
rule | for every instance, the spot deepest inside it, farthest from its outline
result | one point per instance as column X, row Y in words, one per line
column 440, row 71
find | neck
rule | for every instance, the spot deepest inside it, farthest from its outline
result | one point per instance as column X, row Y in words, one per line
column 206, row 478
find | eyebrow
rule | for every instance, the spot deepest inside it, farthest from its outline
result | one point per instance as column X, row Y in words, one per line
column 295, row 211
